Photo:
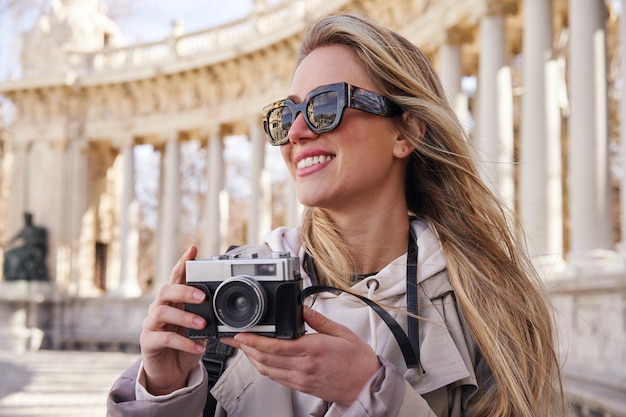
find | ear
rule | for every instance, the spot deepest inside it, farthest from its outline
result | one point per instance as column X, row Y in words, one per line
column 403, row 146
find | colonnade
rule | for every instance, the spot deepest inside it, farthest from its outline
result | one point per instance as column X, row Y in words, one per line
column 546, row 101
column 532, row 183
column 545, row 104
column 214, row 227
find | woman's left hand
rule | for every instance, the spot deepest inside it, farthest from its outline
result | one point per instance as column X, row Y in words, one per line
column 333, row 364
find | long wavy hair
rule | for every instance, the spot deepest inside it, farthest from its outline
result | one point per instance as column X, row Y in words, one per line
column 496, row 287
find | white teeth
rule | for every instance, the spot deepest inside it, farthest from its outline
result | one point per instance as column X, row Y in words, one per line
column 313, row 160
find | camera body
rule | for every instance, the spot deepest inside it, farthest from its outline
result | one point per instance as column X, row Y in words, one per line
column 248, row 294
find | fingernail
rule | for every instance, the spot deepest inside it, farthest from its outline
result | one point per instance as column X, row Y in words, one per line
column 198, row 321
column 198, row 295
column 199, row 347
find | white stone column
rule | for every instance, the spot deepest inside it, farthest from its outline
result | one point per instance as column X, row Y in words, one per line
column 589, row 191
column 59, row 207
column 505, row 167
column 170, row 211
column 79, row 184
column 18, row 187
column 551, row 260
column 622, row 128
column 487, row 138
column 158, row 233
column 537, row 44
column 128, row 225
column 44, row 193
column 257, row 162
column 451, row 69
column 211, row 234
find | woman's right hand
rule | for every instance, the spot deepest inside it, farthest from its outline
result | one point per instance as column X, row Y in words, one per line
column 168, row 355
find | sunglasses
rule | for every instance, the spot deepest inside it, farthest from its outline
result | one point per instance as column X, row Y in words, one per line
column 323, row 110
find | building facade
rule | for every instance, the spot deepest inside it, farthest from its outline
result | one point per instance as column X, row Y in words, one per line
column 536, row 82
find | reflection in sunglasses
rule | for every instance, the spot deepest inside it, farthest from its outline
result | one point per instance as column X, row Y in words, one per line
column 323, row 109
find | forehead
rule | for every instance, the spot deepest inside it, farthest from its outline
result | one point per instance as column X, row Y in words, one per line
column 327, row 65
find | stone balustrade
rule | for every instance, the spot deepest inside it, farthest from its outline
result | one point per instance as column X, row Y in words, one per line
column 214, row 40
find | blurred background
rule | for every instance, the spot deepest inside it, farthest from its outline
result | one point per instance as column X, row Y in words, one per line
column 130, row 130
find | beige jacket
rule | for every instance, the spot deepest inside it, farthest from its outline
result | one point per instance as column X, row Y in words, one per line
column 448, row 354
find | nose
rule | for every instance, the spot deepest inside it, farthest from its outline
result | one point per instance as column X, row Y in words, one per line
column 300, row 131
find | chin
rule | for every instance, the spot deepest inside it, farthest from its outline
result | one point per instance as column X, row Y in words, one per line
column 309, row 201
column 316, row 194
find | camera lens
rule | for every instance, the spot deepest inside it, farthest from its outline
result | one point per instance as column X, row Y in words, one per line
column 239, row 302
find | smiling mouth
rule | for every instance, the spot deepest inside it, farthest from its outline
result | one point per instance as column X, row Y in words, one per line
column 314, row 160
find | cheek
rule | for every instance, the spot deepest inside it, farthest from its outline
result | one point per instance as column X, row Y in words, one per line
column 373, row 139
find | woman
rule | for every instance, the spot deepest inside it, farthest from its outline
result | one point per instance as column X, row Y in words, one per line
column 381, row 163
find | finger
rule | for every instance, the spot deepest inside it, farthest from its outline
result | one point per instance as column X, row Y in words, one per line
column 322, row 324
column 266, row 362
column 178, row 293
column 156, row 341
column 230, row 342
column 178, row 272
column 162, row 316
column 268, row 345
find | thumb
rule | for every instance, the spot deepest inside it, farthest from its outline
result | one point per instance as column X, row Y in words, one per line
column 322, row 324
column 178, row 272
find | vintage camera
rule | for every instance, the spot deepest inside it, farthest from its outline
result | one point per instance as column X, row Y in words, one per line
column 251, row 294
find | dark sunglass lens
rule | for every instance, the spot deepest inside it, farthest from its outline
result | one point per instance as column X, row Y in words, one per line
column 322, row 110
column 279, row 121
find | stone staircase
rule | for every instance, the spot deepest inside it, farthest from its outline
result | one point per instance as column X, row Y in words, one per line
column 58, row 383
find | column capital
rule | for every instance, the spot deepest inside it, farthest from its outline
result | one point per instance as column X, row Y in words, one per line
column 500, row 7
column 458, row 35
column 61, row 144
column 21, row 146
column 123, row 141
column 213, row 130
column 159, row 147
column 170, row 136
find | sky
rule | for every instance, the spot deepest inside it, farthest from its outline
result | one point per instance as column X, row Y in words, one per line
column 155, row 18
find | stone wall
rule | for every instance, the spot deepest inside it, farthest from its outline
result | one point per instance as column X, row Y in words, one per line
column 590, row 309
column 39, row 316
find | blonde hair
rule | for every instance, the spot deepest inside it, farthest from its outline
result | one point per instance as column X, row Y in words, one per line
column 496, row 287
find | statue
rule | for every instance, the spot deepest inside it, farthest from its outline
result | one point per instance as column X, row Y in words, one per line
column 26, row 257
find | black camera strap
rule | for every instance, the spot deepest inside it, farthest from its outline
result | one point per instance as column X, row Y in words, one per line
column 214, row 359
column 409, row 345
